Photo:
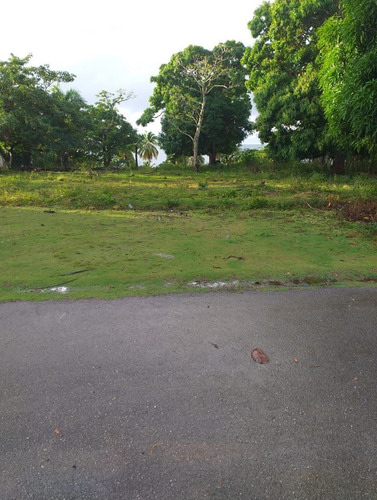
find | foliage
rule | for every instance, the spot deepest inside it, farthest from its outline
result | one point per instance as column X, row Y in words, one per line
column 348, row 43
column 221, row 131
column 70, row 127
column 42, row 127
column 252, row 158
column 110, row 134
column 148, row 147
column 203, row 96
column 284, row 77
column 31, row 110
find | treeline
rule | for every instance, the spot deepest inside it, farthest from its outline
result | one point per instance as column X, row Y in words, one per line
column 313, row 74
column 41, row 126
column 312, row 71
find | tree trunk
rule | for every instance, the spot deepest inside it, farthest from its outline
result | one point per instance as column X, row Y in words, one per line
column 338, row 166
column 197, row 134
column 6, row 158
column 106, row 160
column 212, row 158
column 195, row 152
column 64, row 160
column 136, row 157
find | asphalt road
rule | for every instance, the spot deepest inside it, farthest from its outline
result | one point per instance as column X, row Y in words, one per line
column 159, row 398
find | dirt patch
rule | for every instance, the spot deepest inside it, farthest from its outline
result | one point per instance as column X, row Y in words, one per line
column 357, row 211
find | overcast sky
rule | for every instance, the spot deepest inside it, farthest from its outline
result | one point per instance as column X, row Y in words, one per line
column 118, row 44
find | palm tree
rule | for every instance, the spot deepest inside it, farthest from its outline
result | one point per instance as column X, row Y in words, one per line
column 147, row 148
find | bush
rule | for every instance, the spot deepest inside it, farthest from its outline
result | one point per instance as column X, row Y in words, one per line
column 146, row 169
column 229, row 193
column 171, row 168
column 257, row 202
column 317, row 177
column 171, row 203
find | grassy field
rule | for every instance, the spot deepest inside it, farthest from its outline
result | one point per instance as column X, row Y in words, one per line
column 81, row 235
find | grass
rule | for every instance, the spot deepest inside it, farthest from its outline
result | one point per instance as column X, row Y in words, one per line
column 209, row 192
column 73, row 235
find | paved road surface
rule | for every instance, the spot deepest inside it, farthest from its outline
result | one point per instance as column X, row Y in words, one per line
column 158, row 398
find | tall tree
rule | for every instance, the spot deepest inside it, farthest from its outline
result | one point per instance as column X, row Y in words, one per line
column 348, row 77
column 226, row 124
column 284, row 77
column 110, row 133
column 185, row 85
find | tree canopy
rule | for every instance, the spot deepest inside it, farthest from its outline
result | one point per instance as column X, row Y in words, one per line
column 29, row 111
column 148, row 147
column 41, row 125
column 313, row 73
column 203, row 97
column 348, row 75
column 109, row 133
column 312, row 70
column 284, row 76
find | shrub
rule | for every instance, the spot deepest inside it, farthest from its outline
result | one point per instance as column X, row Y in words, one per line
column 257, row 202
column 172, row 203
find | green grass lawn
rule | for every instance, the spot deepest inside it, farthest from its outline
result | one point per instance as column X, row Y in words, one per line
column 184, row 232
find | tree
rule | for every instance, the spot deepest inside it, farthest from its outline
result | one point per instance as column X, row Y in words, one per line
column 225, row 125
column 227, row 122
column 175, row 143
column 185, row 84
column 110, row 133
column 69, row 126
column 26, row 108
column 284, row 77
column 348, row 75
column 147, row 147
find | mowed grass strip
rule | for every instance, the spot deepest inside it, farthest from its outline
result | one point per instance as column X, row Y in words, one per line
column 49, row 254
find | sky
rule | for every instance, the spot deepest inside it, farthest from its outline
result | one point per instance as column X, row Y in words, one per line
column 117, row 44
